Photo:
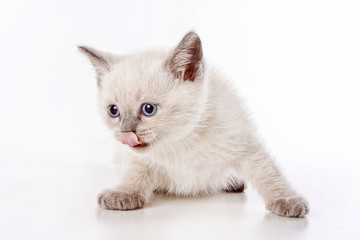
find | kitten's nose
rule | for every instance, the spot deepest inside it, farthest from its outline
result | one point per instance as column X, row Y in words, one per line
column 129, row 123
column 128, row 131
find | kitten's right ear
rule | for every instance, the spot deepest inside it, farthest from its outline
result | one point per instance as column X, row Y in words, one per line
column 101, row 61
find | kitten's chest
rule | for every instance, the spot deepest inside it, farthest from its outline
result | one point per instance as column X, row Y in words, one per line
column 194, row 171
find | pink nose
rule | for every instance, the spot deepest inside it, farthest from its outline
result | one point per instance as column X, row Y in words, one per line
column 129, row 138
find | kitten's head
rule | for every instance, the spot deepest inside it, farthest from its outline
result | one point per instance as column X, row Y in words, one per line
column 152, row 98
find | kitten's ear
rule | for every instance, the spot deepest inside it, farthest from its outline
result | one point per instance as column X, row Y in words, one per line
column 186, row 61
column 101, row 61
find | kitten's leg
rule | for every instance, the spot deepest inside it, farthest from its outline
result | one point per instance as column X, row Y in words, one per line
column 261, row 171
column 133, row 192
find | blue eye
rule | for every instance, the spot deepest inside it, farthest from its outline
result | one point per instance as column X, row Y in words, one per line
column 148, row 109
column 114, row 111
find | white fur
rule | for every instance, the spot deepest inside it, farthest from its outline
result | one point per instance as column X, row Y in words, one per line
column 199, row 139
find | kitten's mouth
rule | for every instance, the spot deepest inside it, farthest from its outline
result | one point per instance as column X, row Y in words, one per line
column 130, row 138
column 141, row 145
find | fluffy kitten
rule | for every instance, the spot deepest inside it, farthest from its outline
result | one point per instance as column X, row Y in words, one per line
column 183, row 130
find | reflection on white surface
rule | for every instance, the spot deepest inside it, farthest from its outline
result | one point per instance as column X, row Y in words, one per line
column 46, row 201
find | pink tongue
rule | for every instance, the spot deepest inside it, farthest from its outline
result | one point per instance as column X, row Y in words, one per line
column 129, row 138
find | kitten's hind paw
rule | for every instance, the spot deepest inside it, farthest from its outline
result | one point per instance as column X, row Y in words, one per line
column 114, row 200
column 292, row 207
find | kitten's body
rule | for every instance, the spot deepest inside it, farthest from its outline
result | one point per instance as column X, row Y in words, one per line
column 204, row 160
column 200, row 141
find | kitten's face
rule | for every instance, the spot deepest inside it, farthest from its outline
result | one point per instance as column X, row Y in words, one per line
column 147, row 100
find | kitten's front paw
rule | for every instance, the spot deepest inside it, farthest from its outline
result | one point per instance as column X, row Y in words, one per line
column 292, row 207
column 114, row 200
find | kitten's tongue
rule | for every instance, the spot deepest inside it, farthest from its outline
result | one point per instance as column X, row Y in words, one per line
column 129, row 138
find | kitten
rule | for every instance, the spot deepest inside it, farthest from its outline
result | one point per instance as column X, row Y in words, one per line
column 183, row 131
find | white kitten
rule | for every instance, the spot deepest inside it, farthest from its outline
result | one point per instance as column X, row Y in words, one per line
column 183, row 130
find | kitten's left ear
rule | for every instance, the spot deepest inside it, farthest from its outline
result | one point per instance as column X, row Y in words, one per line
column 186, row 61
column 101, row 61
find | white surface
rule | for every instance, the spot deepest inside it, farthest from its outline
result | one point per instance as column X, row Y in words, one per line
column 296, row 63
column 58, row 201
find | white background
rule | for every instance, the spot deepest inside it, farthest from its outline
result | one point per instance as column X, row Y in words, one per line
column 296, row 63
